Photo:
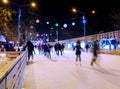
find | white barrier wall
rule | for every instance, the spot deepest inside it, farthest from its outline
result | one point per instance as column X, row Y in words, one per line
column 12, row 72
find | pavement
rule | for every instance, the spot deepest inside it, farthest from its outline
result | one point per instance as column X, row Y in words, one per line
column 63, row 72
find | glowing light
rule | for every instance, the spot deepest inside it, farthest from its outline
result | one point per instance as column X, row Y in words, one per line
column 74, row 43
column 84, row 21
column 74, row 10
column 37, row 21
column 31, row 27
column 69, row 45
column 73, row 23
column 48, row 22
column 5, row 1
column 65, row 25
column 93, row 11
column 56, row 24
column 33, row 4
column 37, row 34
column 82, row 44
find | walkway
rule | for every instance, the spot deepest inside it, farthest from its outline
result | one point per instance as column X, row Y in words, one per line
column 62, row 72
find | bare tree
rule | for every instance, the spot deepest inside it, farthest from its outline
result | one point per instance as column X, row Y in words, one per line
column 5, row 22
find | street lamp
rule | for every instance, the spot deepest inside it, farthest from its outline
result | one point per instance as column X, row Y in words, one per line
column 57, row 33
column 5, row 1
column 19, row 15
column 84, row 22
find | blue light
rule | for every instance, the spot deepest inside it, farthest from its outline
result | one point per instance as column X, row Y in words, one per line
column 84, row 21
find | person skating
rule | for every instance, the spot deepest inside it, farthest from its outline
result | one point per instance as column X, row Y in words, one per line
column 30, row 48
column 95, row 52
column 78, row 49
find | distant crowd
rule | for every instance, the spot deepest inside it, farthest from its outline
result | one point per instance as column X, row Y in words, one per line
column 46, row 48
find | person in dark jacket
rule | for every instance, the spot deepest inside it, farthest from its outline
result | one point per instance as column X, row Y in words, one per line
column 48, row 50
column 95, row 52
column 58, row 48
column 78, row 49
column 87, row 47
column 62, row 48
column 30, row 48
column 55, row 48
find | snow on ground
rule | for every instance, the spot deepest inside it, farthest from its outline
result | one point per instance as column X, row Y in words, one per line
column 63, row 72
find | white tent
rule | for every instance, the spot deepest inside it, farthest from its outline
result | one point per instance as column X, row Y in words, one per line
column 2, row 38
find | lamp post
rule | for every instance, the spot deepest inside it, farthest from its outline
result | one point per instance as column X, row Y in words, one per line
column 19, row 15
column 84, row 22
column 57, row 33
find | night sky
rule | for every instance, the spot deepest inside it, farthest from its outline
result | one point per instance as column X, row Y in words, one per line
column 60, row 11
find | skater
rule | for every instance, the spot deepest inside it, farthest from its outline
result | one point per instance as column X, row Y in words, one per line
column 48, row 50
column 87, row 47
column 62, row 48
column 30, row 48
column 78, row 49
column 95, row 52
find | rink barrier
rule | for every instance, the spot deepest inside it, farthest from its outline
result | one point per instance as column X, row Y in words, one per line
column 13, row 71
column 106, row 51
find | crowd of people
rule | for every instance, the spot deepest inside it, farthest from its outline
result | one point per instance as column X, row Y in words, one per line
column 46, row 48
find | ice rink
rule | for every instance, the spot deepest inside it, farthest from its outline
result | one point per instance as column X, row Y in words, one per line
column 63, row 72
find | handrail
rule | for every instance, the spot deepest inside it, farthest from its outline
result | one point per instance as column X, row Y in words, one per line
column 11, row 66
